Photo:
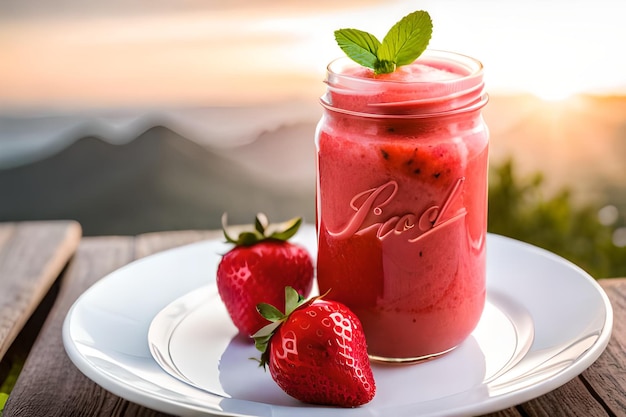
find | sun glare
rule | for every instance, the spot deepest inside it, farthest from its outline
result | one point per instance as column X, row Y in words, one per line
column 553, row 94
column 557, row 82
column 553, row 88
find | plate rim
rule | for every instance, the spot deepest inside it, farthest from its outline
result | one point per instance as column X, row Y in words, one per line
column 150, row 399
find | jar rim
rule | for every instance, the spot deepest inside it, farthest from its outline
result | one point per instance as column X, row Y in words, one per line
column 477, row 105
column 347, row 92
column 473, row 67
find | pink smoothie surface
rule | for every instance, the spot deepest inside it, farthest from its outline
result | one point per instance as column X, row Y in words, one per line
column 429, row 84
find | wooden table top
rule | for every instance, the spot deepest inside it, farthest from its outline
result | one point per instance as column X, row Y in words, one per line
column 45, row 266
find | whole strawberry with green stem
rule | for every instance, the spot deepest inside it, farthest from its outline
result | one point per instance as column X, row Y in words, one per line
column 316, row 351
column 259, row 267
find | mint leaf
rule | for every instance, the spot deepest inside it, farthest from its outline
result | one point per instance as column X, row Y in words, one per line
column 384, row 67
column 361, row 47
column 402, row 45
column 407, row 39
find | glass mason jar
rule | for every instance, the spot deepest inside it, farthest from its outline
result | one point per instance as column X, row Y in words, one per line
column 402, row 163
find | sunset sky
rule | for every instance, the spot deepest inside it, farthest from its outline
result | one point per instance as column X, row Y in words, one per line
column 224, row 73
column 72, row 54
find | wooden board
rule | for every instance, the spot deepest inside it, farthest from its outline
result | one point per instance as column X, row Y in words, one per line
column 50, row 384
column 32, row 255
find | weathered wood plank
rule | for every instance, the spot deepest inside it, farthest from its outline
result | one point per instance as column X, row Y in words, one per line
column 150, row 243
column 509, row 412
column 607, row 376
column 6, row 231
column 38, row 391
column 49, row 383
column 571, row 400
column 32, row 255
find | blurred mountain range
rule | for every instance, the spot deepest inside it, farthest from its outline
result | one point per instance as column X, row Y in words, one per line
column 163, row 180
column 160, row 181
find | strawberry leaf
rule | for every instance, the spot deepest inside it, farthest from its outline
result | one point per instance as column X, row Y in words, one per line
column 262, row 230
column 261, row 342
column 267, row 331
column 248, row 238
column 286, row 230
column 293, row 300
column 270, row 312
column 260, row 223
column 229, row 239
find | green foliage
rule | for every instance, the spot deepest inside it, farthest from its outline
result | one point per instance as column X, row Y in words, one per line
column 9, row 382
column 3, row 399
column 518, row 209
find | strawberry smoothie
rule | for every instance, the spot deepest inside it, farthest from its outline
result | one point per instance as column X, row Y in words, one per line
column 402, row 202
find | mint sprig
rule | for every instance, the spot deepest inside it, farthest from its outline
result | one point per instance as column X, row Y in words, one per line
column 402, row 45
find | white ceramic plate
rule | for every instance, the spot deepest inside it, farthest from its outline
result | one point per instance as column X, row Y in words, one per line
column 546, row 321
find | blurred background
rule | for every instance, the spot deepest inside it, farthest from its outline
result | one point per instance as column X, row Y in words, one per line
column 134, row 116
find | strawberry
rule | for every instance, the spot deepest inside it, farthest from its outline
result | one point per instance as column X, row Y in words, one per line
column 258, row 268
column 316, row 351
